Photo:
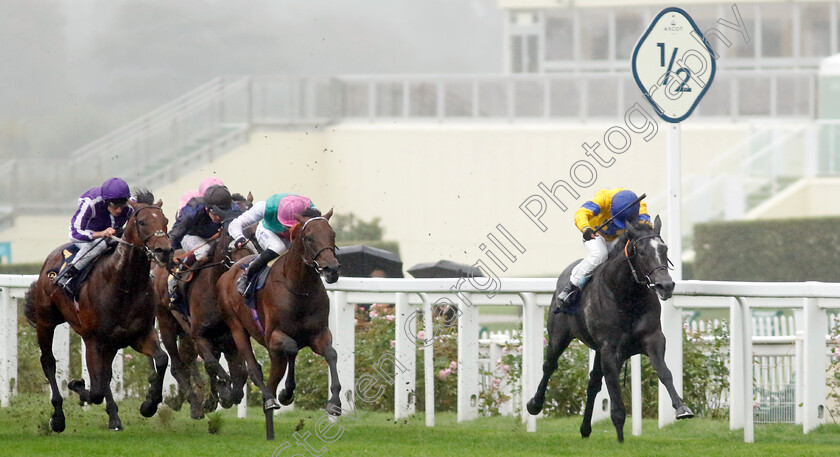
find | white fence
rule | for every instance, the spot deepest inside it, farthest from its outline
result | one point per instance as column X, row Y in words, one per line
column 414, row 299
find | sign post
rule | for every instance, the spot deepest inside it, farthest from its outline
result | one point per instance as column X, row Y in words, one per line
column 674, row 66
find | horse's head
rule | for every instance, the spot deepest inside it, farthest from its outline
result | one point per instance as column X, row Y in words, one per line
column 648, row 257
column 318, row 240
column 146, row 228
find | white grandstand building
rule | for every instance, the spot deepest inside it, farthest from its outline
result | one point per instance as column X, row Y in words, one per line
column 443, row 160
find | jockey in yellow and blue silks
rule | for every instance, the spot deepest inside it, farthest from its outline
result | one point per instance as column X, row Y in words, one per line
column 607, row 203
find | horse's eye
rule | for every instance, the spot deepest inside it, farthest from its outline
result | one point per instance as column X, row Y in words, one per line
column 141, row 223
column 308, row 238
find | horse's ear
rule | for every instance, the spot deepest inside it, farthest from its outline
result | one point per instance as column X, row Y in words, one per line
column 329, row 214
column 249, row 198
column 300, row 218
column 630, row 227
column 159, row 203
column 657, row 224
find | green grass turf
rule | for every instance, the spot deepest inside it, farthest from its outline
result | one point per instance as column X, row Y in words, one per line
column 375, row 434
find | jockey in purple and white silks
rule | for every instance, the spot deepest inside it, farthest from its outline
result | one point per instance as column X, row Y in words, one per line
column 275, row 217
column 101, row 214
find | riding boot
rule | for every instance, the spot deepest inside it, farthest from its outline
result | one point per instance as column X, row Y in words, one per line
column 563, row 298
column 256, row 265
column 63, row 280
column 172, row 288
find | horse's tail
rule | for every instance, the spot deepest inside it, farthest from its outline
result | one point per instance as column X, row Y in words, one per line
column 29, row 306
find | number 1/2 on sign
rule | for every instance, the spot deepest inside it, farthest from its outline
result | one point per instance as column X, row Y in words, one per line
column 682, row 87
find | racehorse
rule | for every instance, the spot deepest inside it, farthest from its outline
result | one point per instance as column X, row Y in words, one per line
column 115, row 309
column 292, row 311
column 204, row 329
column 618, row 318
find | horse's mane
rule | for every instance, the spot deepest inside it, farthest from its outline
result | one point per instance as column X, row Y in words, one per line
column 238, row 197
column 143, row 195
column 618, row 249
column 311, row 212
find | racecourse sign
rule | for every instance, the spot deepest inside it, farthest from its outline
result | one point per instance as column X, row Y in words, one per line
column 673, row 64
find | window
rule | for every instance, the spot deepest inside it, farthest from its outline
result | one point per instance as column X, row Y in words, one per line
column 815, row 30
column 629, row 26
column 559, row 36
column 777, row 30
column 739, row 47
column 594, row 34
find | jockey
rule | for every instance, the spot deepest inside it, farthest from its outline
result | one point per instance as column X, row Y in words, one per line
column 275, row 216
column 199, row 220
column 202, row 188
column 619, row 204
column 102, row 213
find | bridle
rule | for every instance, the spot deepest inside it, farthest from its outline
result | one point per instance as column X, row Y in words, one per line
column 158, row 233
column 313, row 262
column 647, row 277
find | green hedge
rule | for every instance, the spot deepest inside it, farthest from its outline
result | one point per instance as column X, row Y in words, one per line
column 20, row 268
column 768, row 250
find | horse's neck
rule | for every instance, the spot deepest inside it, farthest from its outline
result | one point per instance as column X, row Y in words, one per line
column 619, row 277
column 295, row 270
column 129, row 264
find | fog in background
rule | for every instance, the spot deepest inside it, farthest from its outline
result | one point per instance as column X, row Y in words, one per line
column 73, row 70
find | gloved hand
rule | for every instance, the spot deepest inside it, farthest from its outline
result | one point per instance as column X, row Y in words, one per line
column 588, row 234
column 238, row 243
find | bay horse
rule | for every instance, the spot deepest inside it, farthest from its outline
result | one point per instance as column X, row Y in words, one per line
column 204, row 330
column 618, row 318
column 115, row 309
column 292, row 311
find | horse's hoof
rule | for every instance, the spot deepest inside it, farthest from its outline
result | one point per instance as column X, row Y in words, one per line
column 585, row 431
column 148, row 408
column 334, row 409
column 285, row 398
column 210, row 404
column 76, row 385
column 57, row 423
column 117, row 427
column 533, row 408
column 683, row 412
column 270, row 404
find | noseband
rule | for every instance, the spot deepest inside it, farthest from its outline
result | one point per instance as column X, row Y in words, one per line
column 314, row 261
column 646, row 280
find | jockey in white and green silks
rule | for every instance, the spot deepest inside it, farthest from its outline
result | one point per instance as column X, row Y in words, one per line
column 275, row 217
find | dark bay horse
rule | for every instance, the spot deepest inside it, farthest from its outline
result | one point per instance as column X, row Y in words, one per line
column 204, row 332
column 293, row 310
column 115, row 309
column 619, row 318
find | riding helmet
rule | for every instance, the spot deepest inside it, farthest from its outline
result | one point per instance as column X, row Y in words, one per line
column 115, row 189
column 218, row 199
column 624, row 199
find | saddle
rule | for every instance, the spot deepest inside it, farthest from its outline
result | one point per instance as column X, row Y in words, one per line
column 258, row 282
column 74, row 286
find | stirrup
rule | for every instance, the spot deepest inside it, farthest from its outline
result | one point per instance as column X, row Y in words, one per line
column 242, row 283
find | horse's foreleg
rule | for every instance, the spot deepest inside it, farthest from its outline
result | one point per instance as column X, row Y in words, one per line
column 280, row 342
column 243, row 345
column 238, row 373
column 323, row 346
column 150, row 346
column 180, row 371
column 45, row 340
column 555, row 347
column 219, row 378
column 656, row 354
column 596, row 377
column 114, row 422
column 611, row 367
column 96, row 366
